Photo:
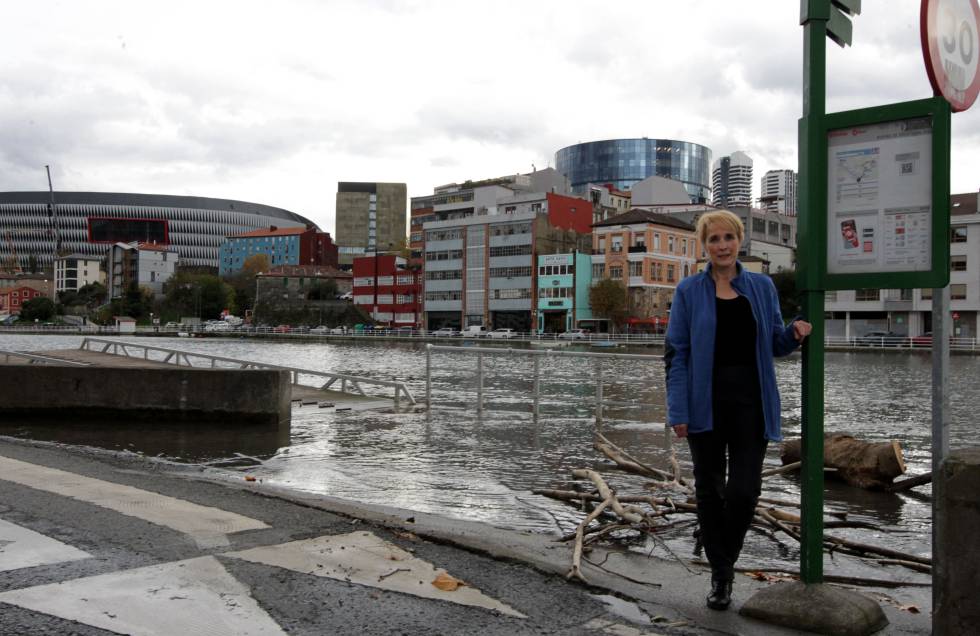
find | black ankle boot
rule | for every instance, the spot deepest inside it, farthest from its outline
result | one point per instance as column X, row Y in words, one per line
column 721, row 594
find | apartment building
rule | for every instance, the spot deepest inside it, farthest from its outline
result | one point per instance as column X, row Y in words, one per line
column 147, row 265
column 282, row 245
column 370, row 218
column 731, row 180
column 563, row 283
column 778, row 192
column 388, row 290
column 74, row 271
column 650, row 253
column 909, row 311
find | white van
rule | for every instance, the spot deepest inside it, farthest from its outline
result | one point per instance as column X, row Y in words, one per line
column 475, row 331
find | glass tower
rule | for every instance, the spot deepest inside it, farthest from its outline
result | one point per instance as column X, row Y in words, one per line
column 623, row 162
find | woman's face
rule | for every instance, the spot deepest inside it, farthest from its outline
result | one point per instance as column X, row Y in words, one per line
column 722, row 245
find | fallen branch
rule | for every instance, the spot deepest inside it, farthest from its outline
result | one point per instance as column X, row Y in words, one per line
column 911, row 482
column 576, row 571
column 788, row 468
column 607, row 494
column 630, row 464
column 829, row 578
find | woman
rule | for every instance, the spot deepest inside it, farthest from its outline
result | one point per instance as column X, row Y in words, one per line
column 725, row 327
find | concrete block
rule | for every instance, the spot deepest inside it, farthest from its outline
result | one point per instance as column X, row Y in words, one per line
column 957, row 605
column 169, row 394
column 816, row 608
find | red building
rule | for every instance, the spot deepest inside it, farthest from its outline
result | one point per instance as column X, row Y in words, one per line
column 416, row 237
column 387, row 290
column 12, row 298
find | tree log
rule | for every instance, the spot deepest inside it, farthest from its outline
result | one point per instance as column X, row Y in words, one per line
column 861, row 464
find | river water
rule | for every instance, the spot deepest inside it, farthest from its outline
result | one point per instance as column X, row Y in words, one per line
column 460, row 464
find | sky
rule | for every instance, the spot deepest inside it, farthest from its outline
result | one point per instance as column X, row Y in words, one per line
column 276, row 102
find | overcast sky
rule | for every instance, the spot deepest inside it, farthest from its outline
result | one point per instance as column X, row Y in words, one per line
column 275, row 102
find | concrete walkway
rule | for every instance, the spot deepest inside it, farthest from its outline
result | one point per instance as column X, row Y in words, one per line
column 94, row 542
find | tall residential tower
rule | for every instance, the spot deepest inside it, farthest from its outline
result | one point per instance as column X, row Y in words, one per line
column 779, row 192
column 731, row 180
column 371, row 218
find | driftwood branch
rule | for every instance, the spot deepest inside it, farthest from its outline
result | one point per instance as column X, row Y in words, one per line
column 911, row 482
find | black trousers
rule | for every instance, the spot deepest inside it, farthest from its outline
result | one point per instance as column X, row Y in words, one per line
column 737, row 443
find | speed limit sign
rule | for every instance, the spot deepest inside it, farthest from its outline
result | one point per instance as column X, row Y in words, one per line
column 950, row 31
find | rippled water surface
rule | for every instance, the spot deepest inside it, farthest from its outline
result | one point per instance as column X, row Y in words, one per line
column 483, row 467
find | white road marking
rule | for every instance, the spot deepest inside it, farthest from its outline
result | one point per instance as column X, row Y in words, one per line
column 207, row 526
column 196, row 596
column 23, row 548
column 363, row 558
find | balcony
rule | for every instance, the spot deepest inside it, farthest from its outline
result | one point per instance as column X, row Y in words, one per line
column 638, row 249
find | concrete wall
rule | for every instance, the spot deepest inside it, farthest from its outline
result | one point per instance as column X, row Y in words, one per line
column 231, row 395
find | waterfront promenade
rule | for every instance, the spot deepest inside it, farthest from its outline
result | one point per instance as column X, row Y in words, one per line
column 96, row 542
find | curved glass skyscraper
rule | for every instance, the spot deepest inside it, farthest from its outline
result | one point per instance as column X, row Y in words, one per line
column 623, row 162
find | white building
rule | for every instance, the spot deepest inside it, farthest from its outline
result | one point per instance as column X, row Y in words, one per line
column 731, row 180
column 778, row 192
column 147, row 264
column 74, row 271
column 909, row 311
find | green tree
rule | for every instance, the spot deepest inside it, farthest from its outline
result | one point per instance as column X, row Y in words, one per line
column 32, row 263
column 243, row 281
column 608, row 300
column 790, row 299
column 322, row 290
column 202, row 295
column 41, row 308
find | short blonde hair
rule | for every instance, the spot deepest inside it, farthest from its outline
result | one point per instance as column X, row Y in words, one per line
column 725, row 218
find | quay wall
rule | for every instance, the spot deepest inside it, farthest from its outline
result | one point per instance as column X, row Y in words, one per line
column 234, row 396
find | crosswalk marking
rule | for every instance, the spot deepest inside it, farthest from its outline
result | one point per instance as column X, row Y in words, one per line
column 193, row 597
column 207, row 526
column 363, row 558
column 23, row 548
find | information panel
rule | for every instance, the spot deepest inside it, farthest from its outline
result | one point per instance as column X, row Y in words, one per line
column 879, row 198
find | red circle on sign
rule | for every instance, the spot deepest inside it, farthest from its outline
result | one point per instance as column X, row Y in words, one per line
column 956, row 316
column 959, row 98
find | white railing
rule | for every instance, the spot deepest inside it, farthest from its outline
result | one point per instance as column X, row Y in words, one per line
column 478, row 354
column 347, row 383
column 35, row 358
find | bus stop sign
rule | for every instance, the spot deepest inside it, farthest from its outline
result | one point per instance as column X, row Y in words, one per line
column 950, row 32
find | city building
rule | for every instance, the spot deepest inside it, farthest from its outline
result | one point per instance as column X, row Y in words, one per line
column 295, row 289
column 371, row 218
column 778, row 192
column 74, row 271
column 89, row 222
column 731, row 181
column 12, row 299
column 623, row 162
column 149, row 265
column 416, row 237
column 387, row 290
column 41, row 282
column 909, row 311
column 608, row 201
column 563, row 282
column 480, row 252
column 650, row 253
column 283, row 246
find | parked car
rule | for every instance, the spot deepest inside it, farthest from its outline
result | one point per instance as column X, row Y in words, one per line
column 445, row 332
column 574, row 334
column 282, row 329
column 880, row 339
column 502, row 333
column 172, row 325
column 474, row 331
column 217, row 325
column 322, row 329
column 346, row 296
column 338, row 331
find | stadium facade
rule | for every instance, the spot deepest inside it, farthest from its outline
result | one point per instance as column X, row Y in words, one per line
column 89, row 222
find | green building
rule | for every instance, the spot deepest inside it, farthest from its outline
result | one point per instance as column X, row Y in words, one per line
column 563, row 291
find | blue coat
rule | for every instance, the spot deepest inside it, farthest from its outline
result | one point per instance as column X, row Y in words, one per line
column 690, row 348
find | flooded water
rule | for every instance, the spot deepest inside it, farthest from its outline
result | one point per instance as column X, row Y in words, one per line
column 460, row 464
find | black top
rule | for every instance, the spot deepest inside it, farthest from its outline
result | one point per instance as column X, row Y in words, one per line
column 734, row 333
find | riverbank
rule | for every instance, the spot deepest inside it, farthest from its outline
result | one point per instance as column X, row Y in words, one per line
column 522, row 571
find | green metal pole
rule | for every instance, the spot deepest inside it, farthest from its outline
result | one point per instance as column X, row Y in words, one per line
column 811, row 245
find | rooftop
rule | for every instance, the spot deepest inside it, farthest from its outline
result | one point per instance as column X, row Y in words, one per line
column 636, row 215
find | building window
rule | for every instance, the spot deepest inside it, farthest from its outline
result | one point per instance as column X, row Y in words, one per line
column 616, row 272
column 670, row 244
column 957, row 292
column 598, row 271
column 905, row 294
column 670, row 273
column 925, row 294
column 656, row 241
column 867, row 295
column 958, row 235
column 759, row 226
column 510, row 250
column 957, row 263
column 511, row 294
column 509, row 272
column 636, row 268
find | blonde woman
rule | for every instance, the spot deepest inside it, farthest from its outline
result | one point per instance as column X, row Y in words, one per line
column 725, row 329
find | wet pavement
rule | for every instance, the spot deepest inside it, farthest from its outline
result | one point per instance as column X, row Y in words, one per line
column 95, row 542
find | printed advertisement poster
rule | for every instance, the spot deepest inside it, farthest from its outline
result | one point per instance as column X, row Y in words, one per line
column 880, row 198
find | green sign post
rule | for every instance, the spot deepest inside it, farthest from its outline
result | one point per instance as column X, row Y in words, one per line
column 874, row 213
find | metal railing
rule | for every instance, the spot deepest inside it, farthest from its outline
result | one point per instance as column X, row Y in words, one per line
column 480, row 352
column 348, row 383
column 34, row 358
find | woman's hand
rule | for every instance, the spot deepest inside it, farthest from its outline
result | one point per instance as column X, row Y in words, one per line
column 680, row 430
column 801, row 329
